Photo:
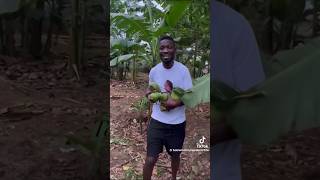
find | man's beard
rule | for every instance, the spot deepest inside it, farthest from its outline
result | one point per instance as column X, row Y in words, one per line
column 167, row 61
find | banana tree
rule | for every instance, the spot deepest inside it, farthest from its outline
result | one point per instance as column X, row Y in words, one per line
column 122, row 47
column 147, row 29
column 287, row 101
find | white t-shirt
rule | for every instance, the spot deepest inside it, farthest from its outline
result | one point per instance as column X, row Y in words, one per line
column 180, row 77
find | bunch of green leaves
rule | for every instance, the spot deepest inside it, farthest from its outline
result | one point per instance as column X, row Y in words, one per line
column 141, row 105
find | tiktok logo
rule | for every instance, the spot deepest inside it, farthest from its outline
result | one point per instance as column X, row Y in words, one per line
column 201, row 141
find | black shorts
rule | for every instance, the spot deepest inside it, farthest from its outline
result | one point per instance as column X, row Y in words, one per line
column 167, row 135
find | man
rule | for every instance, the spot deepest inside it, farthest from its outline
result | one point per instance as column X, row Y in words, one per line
column 167, row 128
column 236, row 62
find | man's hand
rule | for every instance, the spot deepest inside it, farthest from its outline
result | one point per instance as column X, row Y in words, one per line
column 221, row 132
column 148, row 92
column 171, row 104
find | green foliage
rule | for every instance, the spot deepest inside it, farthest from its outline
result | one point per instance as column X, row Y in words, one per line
column 290, row 100
column 120, row 59
column 150, row 26
column 200, row 92
column 141, row 105
column 8, row 6
column 176, row 11
column 131, row 174
column 94, row 147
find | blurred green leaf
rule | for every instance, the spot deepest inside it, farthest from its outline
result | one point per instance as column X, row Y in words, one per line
column 121, row 58
column 291, row 103
column 8, row 6
column 200, row 92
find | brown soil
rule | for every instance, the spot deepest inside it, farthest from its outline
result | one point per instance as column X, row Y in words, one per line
column 128, row 146
column 40, row 103
column 294, row 157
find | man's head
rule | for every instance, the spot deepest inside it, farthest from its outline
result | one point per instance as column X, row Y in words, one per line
column 167, row 49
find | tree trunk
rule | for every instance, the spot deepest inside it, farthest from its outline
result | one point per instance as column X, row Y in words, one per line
column 82, row 35
column 9, row 40
column 195, row 53
column 315, row 18
column 23, row 28
column 286, row 35
column 74, row 62
column 267, row 40
column 35, row 27
column 120, row 68
column 134, row 70
column 77, row 34
column 47, row 45
column 1, row 36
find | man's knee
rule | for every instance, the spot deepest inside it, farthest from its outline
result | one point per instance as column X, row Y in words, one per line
column 150, row 161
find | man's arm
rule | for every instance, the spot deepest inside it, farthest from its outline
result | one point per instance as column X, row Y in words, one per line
column 247, row 71
column 247, row 66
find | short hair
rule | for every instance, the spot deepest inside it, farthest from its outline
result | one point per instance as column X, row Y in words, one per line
column 168, row 38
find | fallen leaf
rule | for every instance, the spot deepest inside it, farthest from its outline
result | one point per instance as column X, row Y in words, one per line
column 125, row 168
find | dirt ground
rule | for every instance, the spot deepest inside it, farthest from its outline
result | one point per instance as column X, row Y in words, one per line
column 128, row 146
column 41, row 103
column 294, row 157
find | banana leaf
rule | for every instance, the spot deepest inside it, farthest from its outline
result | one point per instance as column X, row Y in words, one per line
column 121, row 58
column 8, row 6
column 199, row 93
column 177, row 10
column 133, row 25
column 93, row 145
column 284, row 59
column 128, row 57
column 291, row 101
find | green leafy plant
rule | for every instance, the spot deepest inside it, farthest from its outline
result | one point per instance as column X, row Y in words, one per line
column 290, row 98
column 141, row 107
column 94, row 147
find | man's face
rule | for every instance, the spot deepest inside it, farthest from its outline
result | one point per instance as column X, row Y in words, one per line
column 167, row 51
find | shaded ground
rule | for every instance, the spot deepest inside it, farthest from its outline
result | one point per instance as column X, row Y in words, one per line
column 295, row 157
column 128, row 146
column 40, row 103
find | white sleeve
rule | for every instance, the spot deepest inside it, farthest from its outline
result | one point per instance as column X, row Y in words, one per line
column 151, row 76
column 187, row 80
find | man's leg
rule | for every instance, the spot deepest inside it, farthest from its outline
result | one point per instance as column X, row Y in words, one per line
column 154, row 148
column 148, row 167
column 175, row 162
column 225, row 160
column 174, row 143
